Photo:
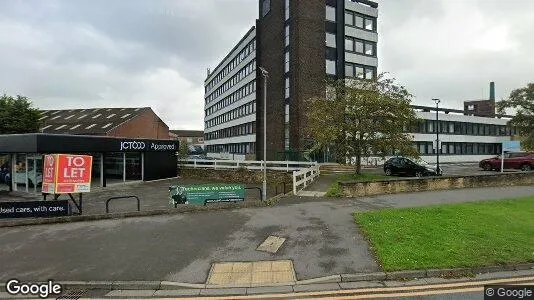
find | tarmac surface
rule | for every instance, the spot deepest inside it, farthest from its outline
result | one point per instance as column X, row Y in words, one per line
column 321, row 239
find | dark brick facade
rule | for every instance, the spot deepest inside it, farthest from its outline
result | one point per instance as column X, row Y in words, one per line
column 306, row 75
column 307, row 63
column 270, row 55
column 480, row 108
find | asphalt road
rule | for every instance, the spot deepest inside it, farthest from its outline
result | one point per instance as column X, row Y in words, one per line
column 321, row 240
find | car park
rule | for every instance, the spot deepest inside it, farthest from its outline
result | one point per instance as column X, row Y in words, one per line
column 512, row 160
column 410, row 167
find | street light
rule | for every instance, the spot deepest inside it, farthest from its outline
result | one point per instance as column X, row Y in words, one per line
column 438, row 171
column 265, row 75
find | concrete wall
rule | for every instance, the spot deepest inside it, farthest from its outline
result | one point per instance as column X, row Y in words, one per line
column 360, row 189
column 146, row 125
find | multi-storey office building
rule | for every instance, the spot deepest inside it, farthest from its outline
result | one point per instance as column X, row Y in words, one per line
column 299, row 44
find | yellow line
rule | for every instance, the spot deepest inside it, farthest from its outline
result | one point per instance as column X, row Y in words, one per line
column 407, row 294
column 524, row 280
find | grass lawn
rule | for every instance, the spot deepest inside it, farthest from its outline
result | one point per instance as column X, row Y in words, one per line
column 448, row 236
column 334, row 189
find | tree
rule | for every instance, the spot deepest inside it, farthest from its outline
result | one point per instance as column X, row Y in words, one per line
column 183, row 151
column 17, row 115
column 522, row 100
column 362, row 118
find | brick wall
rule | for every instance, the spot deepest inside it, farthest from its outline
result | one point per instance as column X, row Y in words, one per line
column 146, row 125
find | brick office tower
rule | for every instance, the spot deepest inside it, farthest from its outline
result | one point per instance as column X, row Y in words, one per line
column 299, row 44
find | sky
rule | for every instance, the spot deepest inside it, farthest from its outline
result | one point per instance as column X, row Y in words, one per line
column 133, row 53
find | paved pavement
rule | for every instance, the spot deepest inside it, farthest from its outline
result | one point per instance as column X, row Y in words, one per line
column 321, row 240
column 152, row 195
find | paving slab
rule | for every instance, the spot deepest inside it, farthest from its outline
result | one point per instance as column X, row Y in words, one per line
column 225, row 292
column 177, row 293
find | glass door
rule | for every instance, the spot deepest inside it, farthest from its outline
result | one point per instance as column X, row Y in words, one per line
column 34, row 173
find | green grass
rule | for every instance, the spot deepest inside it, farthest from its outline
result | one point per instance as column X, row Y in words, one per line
column 334, row 190
column 448, row 236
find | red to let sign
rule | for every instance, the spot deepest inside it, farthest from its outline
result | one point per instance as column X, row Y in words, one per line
column 69, row 173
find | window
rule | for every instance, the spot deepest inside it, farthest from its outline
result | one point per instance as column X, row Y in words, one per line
column 349, row 18
column 369, row 49
column 94, row 117
column 55, row 117
column 330, row 40
column 287, row 62
column 330, row 67
column 111, row 116
column 69, row 117
column 349, row 44
column 358, row 46
column 330, row 13
column 107, row 125
column 369, row 24
column 359, row 72
column 369, row 73
column 287, row 113
column 90, row 126
column 61, row 127
column 287, row 35
column 349, row 70
column 358, row 21
column 287, row 9
column 287, row 87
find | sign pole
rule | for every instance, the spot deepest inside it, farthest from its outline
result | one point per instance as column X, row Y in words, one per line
column 502, row 158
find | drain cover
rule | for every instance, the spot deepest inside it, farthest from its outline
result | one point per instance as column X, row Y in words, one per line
column 271, row 244
column 72, row 294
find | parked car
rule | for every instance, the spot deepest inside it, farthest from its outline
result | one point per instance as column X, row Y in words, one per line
column 410, row 167
column 512, row 160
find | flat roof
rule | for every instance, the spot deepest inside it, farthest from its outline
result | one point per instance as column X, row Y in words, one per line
column 65, row 143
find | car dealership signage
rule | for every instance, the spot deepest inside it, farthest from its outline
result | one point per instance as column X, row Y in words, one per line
column 66, row 173
column 202, row 194
column 146, row 146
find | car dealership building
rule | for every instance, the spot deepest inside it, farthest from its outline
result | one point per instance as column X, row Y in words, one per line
column 127, row 144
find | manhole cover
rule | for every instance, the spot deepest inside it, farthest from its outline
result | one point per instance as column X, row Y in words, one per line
column 271, row 244
column 72, row 294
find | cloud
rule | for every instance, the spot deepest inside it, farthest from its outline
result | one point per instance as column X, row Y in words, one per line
column 64, row 53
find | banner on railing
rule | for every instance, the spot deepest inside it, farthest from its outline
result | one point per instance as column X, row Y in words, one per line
column 201, row 194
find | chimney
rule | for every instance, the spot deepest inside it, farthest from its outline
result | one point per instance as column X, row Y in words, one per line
column 492, row 91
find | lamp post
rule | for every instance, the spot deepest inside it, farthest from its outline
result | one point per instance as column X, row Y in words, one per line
column 438, row 171
column 265, row 76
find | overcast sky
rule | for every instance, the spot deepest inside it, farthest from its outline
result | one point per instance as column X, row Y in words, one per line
column 126, row 53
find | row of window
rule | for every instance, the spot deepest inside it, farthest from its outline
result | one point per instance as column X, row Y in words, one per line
column 359, row 71
column 460, row 148
column 249, row 48
column 360, row 46
column 242, row 129
column 287, row 83
column 244, row 72
column 360, row 21
column 246, row 90
column 464, row 128
column 241, row 148
column 241, row 111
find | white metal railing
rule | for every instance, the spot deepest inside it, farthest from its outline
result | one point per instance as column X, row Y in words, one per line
column 308, row 175
column 247, row 164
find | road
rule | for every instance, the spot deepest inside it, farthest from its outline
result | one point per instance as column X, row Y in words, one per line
column 321, row 240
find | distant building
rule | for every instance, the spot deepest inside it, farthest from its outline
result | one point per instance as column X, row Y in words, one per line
column 482, row 108
column 191, row 137
column 139, row 122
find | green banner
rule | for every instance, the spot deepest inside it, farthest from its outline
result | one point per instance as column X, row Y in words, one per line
column 201, row 194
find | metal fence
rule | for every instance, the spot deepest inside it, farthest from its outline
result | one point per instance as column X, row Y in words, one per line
column 287, row 166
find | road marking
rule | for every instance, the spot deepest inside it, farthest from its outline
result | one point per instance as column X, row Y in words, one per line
column 255, row 272
column 271, row 244
column 389, row 291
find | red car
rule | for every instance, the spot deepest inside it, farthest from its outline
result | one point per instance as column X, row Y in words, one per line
column 512, row 160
